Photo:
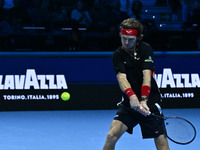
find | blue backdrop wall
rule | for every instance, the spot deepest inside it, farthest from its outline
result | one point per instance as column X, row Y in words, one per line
column 35, row 81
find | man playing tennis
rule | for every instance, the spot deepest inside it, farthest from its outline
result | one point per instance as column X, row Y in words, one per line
column 133, row 64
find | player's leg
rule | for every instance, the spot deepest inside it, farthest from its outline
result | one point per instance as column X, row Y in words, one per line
column 116, row 130
column 161, row 143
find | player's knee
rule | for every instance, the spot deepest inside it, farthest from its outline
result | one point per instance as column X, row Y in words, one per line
column 112, row 138
column 162, row 143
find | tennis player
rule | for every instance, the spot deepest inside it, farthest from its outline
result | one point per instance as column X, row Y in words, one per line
column 133, row 64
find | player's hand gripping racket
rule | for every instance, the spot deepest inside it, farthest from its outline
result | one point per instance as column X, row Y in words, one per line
column 177, row 129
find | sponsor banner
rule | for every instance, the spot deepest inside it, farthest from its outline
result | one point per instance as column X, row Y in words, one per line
column 179, row 81
column 36, row 83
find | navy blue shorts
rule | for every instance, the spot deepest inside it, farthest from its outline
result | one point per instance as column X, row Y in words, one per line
column 151, row 127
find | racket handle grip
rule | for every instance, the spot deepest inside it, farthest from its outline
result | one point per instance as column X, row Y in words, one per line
column 149, row 113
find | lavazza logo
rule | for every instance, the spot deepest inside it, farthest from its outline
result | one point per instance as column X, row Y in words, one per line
column 170, row 80
column 32, row 81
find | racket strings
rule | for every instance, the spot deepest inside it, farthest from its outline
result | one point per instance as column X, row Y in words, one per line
column 179, row 130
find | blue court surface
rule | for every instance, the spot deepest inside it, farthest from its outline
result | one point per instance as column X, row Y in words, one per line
column 77, row 130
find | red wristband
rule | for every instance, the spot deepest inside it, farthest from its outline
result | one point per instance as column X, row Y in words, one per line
column 145, row 90
column 129, row 92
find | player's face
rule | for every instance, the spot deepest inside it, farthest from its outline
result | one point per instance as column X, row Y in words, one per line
column 128, row 41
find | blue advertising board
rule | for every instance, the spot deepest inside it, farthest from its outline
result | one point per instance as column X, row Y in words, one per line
column 178, row 80
column 32, row 81
column 36, row 83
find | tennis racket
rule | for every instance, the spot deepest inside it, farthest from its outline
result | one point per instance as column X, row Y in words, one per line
column 177, row 129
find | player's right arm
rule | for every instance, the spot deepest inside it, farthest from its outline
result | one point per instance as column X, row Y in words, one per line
column 124, row 85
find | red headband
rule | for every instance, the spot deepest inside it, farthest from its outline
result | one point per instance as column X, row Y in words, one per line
column 129, row 32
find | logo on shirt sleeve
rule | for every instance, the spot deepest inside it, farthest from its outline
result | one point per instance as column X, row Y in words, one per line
column 149, row 60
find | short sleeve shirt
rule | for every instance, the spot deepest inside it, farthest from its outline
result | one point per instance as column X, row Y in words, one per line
column 133, row 66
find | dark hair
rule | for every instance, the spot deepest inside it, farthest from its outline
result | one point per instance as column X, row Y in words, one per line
column 132, row 23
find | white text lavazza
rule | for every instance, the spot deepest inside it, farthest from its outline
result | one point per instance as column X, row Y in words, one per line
column 32, row 80
column 177, row 81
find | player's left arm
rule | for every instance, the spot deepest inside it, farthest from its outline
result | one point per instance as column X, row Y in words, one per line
column 146, row 88
column 148, row 62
